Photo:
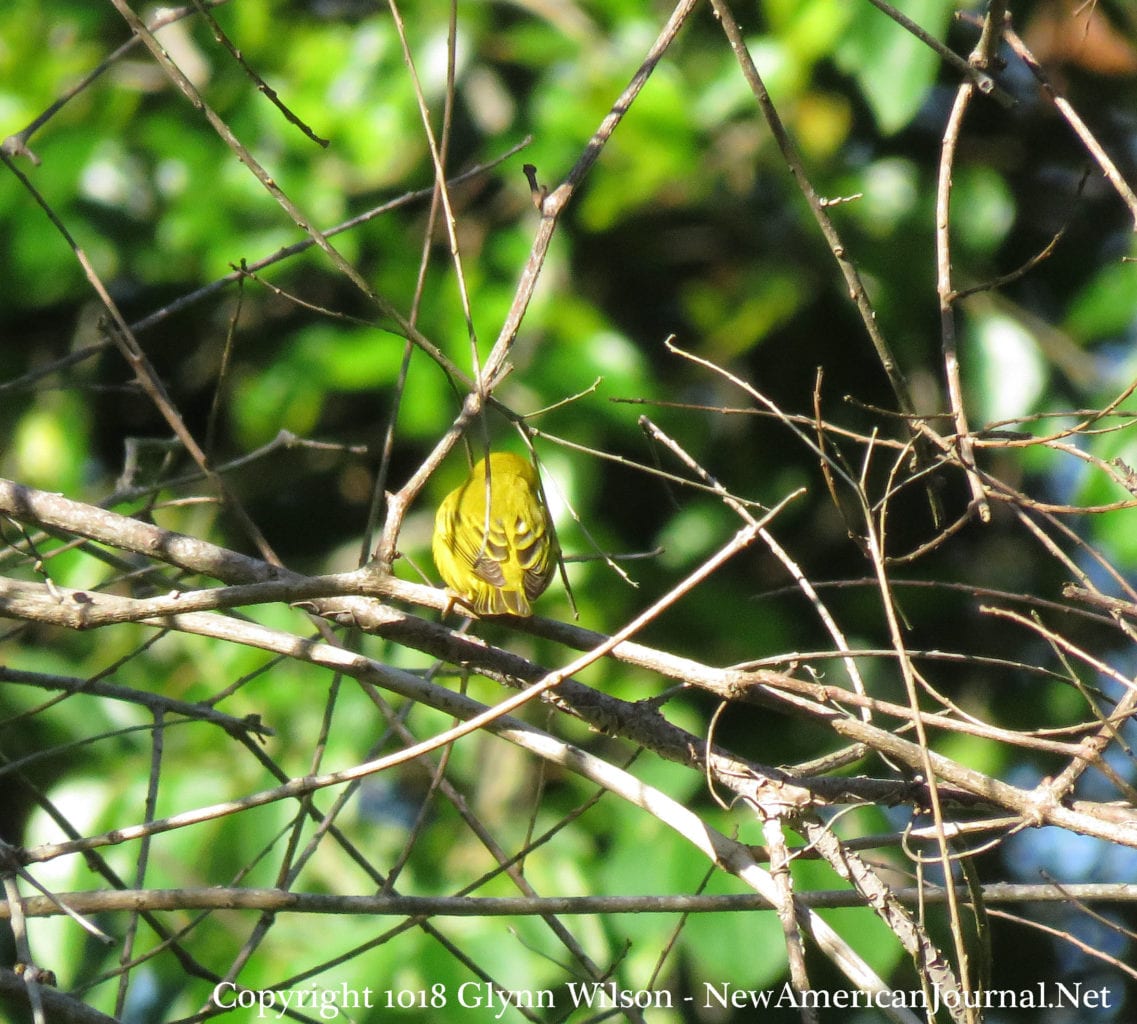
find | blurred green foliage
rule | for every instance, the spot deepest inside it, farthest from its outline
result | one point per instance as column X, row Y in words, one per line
column 689, row 224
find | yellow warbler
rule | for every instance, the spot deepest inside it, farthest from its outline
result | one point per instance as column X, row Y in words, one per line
column 499, row 563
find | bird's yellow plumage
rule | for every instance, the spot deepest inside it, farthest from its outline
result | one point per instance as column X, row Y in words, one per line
column 498, row 563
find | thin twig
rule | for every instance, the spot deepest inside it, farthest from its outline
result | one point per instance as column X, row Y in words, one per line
column 945, row 291
column 977, row 75
column 1088, row 139
column 496, row 365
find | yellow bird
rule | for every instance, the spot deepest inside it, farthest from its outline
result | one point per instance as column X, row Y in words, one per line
column 496, row 564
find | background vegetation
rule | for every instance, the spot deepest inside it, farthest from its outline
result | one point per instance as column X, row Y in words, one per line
column 212, row 263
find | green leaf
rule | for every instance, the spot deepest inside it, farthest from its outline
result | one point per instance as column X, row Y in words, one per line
column 1008, row 373
column 892, row 67
column 1105, row 306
